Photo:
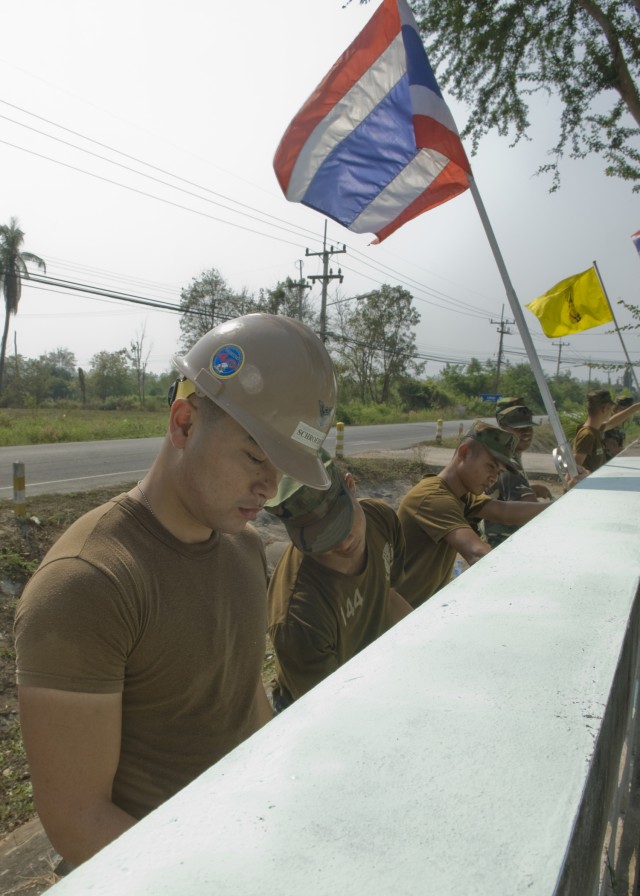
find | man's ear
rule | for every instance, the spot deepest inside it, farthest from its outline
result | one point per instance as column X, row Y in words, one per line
column 180, row 421
column 350, row 482
column 464, row 450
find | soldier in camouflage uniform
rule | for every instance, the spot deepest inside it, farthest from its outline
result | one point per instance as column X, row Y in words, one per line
column 513, row 485
column 333, row 591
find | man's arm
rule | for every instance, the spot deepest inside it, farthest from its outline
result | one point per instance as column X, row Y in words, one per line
column 541, row 492
column 263, row 711
column 305, row 654
column 72, row 741
column 583, row 444
column 580, row 458
column 621, row 416
column 398, row 607
column 468, row 544
column 514, row 513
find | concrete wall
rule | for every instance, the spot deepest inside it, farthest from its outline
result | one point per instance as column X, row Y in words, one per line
column 473, row 750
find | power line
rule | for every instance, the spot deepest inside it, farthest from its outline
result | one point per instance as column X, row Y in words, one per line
column 374, row 264
column 437, row 298
column 149, row 195
column 280, row 222
column 75, row 286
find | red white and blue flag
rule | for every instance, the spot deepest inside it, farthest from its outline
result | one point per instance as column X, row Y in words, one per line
column 375, row 145
column 636, row 240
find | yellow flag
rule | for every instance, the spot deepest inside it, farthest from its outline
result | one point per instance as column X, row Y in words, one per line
column 575, row 304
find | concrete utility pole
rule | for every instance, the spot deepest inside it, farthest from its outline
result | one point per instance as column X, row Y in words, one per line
column 504, row 330
column 559, row 344
column 325, row 277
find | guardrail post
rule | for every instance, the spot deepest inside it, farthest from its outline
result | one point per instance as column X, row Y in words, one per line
column 438, row 431
column 19, row 503
column 340, row 440
column 460, row 431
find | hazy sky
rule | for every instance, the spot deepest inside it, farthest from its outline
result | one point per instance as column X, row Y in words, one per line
column 179, row 109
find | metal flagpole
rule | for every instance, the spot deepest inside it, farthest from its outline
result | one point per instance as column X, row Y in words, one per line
column 615, row 323
column 565, row 452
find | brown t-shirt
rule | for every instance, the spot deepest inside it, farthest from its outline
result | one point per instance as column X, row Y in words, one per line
column 428, row 513
column 120, row 605
column 319, row 618
column 589, row 441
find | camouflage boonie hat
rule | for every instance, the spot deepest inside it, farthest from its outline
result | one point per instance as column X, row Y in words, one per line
column 517, row 418
column 503, row 403
column 316, row 519
column 499, row 443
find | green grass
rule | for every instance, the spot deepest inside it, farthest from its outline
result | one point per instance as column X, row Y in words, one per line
column 45, row 426
column 16, row 795
column 15, row 566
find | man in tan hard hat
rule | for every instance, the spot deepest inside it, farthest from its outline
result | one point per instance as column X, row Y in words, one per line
column 141, row 636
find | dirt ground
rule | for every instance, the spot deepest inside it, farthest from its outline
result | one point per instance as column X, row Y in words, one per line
column 23, row 542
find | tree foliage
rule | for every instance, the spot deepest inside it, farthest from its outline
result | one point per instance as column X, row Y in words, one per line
column 494, row 56
column 110, row 375
column 464, row 384
column 13, row 267
column 289, row 298
column 208, row 301
column 375, row 341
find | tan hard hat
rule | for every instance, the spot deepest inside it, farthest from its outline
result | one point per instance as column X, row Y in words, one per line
column 275, row 378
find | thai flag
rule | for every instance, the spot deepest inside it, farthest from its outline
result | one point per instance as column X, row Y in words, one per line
column 636, row 240
column 375, row 144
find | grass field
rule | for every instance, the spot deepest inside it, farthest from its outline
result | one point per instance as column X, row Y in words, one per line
column 45, row 426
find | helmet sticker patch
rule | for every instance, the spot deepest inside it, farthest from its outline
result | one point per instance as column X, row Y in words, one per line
column 307, row 435
column 227, row 361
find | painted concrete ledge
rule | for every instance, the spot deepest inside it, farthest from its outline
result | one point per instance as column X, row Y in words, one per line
column 471, row 750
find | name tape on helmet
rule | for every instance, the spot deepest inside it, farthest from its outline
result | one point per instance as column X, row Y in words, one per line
column 307, row 435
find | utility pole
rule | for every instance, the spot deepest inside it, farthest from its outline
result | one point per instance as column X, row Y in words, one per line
column 302, row 285
column 559, row 344
column 325, row 277
column 504, row 330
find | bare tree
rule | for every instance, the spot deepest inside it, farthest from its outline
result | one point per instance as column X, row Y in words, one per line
column 138, row 356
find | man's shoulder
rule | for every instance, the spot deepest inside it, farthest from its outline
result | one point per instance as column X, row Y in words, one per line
column 248, row 538
column 587, row 432
column 508, row 481
column 75, row 537
column 430, row 484
column 377, row 509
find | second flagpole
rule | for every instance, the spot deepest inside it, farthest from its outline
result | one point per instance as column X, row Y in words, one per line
column 564, row 448
column 615, row 324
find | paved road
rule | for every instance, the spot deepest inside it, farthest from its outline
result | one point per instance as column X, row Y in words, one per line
column 76, row 466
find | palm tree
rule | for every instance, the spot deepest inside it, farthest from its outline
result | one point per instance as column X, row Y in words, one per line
column 13, row 267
